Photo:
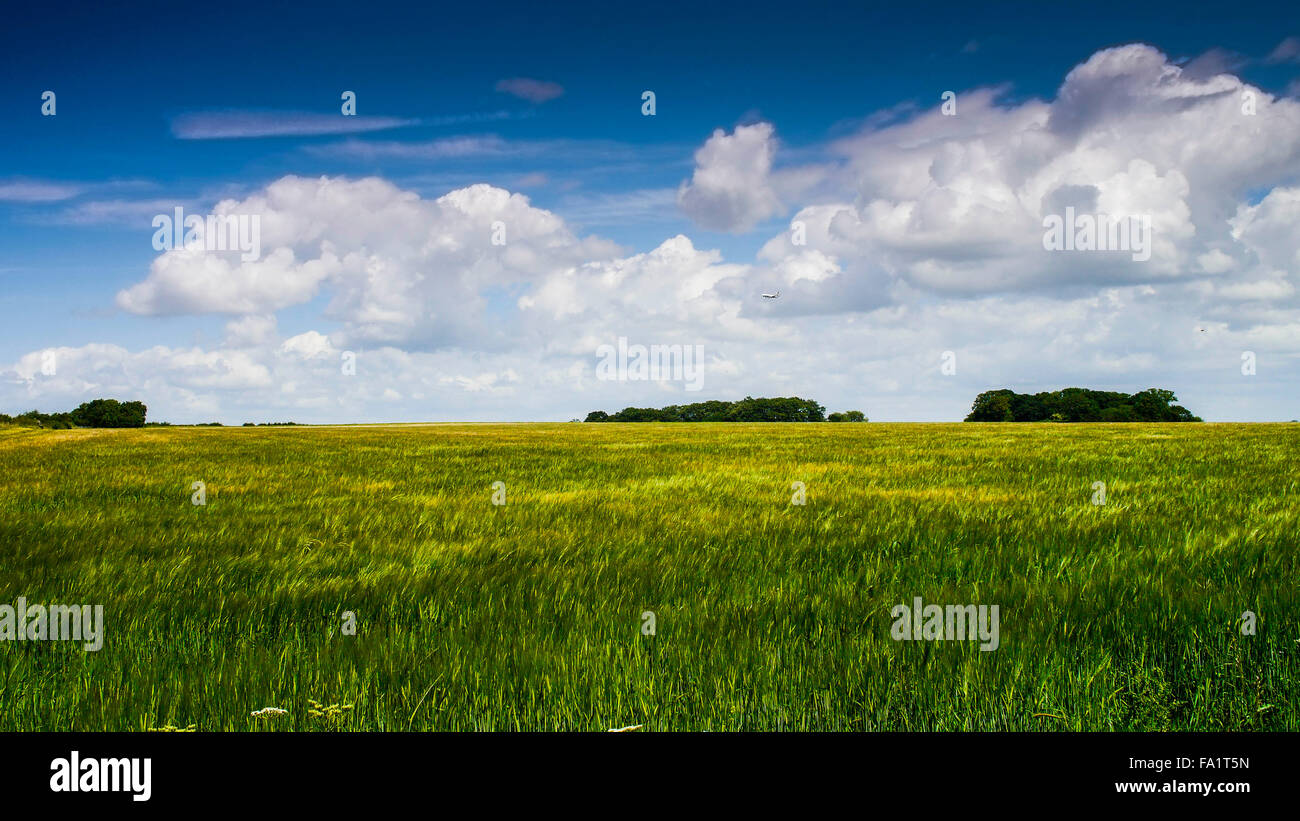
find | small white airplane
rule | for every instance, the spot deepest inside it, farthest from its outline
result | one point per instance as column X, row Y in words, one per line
column 772, row 296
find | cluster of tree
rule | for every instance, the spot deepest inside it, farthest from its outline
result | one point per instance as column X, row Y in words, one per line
column 749, row 409
column 267, row 424
column 36, row 419
column 1079, row 405
column 847, row 416
column 98, row 413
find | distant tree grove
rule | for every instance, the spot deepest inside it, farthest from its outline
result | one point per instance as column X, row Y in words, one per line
column 98, row 413
column 847, row 416
column 1079, row 405
column 749, row 409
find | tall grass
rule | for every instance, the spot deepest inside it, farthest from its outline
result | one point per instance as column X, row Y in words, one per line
column 769, row 615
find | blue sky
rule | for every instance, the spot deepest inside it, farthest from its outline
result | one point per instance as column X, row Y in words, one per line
column 148, row 98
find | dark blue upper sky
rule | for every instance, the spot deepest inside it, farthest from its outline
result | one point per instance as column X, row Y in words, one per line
column 123, row 72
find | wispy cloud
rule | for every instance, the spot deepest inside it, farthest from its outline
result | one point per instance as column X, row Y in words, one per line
column 534, row 179
column 647, row 205
column 492, row 146
column 478, row 117
column 1214, row 62
column 135, row 213
column 34, row 193
column 487, row 145
column 228, row 125
column 37, row 191
column 1287, row 51
column 526, row 88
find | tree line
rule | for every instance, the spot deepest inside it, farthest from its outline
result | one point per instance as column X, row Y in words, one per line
column 1079, row 405
column 749, row 409
column 98, row 413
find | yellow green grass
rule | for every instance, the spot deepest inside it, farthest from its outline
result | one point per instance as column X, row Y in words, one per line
column 768, row 615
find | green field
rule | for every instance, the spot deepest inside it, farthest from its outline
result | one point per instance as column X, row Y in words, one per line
column 768, row 615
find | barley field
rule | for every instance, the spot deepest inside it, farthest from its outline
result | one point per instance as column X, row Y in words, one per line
column 767, row 615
